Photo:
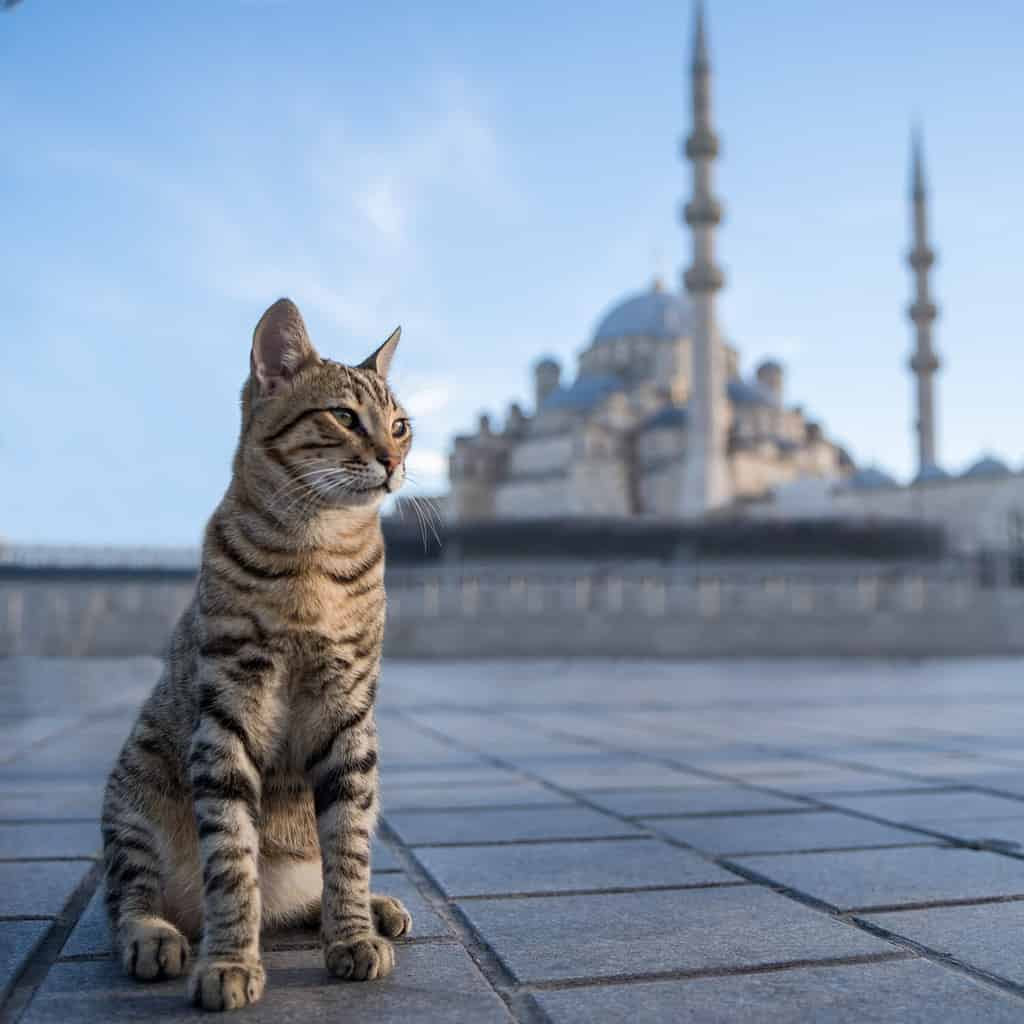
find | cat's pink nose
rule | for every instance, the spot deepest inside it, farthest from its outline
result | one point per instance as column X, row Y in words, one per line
column 389, row 461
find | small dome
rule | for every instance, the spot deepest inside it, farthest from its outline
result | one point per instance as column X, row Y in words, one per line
column 929, row 473
column 651, row 314
column 742, row 393
column 987, row 466
column 870, row 478
column 584, row 393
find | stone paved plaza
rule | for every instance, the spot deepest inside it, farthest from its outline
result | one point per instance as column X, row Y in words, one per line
column 594, row 841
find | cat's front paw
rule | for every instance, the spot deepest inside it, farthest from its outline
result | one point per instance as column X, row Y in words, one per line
column 226, row 984
column 390, row 917
column 360, row 959
column 153, row 949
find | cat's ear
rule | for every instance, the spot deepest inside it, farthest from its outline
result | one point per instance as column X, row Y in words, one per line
column 280, row 347
column 380, row 361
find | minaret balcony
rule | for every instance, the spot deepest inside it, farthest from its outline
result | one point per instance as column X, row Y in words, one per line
column 701, row 145
column 924, row 362
column 922, row 312
column 921, row 257
column 704, row 211
column 703, row 278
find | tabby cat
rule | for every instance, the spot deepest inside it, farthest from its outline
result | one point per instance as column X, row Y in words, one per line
column 246, row 793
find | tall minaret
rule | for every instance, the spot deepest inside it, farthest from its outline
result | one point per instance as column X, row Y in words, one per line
column 706, row 484
column 922, row 312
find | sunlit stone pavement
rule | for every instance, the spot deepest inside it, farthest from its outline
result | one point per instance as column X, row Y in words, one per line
column 594, row 841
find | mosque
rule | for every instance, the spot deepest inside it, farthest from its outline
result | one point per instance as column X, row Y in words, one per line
column 659, row 422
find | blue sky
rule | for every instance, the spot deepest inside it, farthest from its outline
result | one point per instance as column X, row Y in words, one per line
column 492, row 176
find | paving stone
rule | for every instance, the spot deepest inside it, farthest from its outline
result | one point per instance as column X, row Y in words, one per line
column 512, row 794
column 641, row 803
column 566, row 867
column 448, row 775
column 23, row 801
column 824, row 785
column 39, row 888
column 987, row 936
column 74, row 839
column 610, row 773
column 17, row 941
column 495, row 824
column 608, row 935
column 887, row 878
column 911, row 808
column 901, row 992
column 1006, row 833
column 771, row 833
column 382, row 857
column 86, row 753
column 91, row 934
column 431, row 982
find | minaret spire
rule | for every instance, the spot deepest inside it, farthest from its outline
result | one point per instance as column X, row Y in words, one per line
column 924, row 363
column 706, row 484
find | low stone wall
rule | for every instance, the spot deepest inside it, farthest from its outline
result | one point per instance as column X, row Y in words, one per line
column 578, row 611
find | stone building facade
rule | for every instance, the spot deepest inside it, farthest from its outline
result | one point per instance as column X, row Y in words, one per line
column 613, row 440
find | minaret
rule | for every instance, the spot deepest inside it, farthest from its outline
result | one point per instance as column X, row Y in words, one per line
column 706, row 483
column 922, row 312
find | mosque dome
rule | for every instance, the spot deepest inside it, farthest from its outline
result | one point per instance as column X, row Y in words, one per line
column 742, row 393
column 584, row 393
column 870, row 478
column 988, row 466
column 930, row 473
column 655, row 313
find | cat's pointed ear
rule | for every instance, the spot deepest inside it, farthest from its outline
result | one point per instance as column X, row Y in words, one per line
column 280, row 347
column 380, row 361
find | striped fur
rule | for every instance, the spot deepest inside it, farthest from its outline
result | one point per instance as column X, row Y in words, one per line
column 246, row 793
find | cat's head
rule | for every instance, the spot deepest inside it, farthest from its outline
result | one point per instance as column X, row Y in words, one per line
column 315, row 433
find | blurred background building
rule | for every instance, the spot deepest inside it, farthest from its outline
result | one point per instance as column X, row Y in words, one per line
column 657, row 420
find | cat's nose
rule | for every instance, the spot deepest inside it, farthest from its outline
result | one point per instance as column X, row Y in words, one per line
column 389, row 461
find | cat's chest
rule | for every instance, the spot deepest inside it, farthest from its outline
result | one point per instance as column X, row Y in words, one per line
column 318, row 607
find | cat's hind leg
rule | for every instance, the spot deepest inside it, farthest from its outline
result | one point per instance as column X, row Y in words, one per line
column 151, row 948
column 390, row 917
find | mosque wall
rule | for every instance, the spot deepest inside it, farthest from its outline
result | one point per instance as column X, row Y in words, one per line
column 540, row 497
column 541, row 455
column 977, row 514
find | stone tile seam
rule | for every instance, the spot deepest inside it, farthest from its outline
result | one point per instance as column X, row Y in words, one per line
column 81, row 858
column 554, row 840
column 275, row 947
column 826, row 849
column 743, row 872
column 453, row 808
column 895, row 908
column 545, row 894
column 8, row 822
column 521, row 1008
column 946, row 838
column 38, row 964
column 776, row 967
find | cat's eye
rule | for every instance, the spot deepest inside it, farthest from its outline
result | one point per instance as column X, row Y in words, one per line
column 346, row 417
column 399, row 428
